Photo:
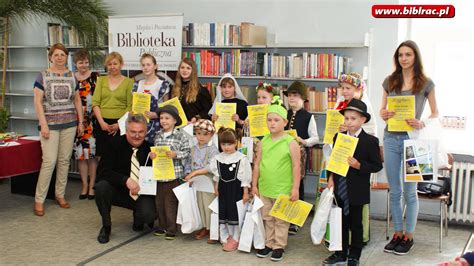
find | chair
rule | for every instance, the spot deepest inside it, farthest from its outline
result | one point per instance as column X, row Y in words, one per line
column 443, row 215
column 381, row 187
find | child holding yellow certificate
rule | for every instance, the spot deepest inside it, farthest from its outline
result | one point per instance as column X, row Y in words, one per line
column 305, row 125
column 228, row 91
column 157, row 88
column 276, row 171
column 166, row 201
column 353, row 190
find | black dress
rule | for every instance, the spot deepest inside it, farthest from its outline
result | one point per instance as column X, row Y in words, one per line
column 200, row 107
column 230, row 191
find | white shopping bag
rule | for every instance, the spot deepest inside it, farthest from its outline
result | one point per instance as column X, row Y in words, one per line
column 335, row 230
column 214, row 228
column 146, row 181
column 259, row 229
column 246, row 233
column 320, row 220
column 241, row 211
column 188, row 212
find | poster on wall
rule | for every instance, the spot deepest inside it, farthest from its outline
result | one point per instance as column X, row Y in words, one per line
column 420, row 160
column 158, row 35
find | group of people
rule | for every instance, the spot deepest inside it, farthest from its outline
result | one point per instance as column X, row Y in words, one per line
column 79, row 112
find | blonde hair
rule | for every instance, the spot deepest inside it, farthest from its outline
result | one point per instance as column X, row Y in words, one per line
column 193, row 86
column 112, row 56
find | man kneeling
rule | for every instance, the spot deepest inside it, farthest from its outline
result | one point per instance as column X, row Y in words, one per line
column 118, row 167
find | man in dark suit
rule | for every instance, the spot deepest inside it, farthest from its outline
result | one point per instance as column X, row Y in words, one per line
column 117, row 178
column 353, row 190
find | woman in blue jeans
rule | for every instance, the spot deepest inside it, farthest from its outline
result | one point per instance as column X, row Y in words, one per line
column 407, row 79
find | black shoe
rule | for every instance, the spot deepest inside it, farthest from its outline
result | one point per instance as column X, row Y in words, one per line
column 277, row 254
column 293, row 229
column 82, row 196
column 91, row 197
column 336, row 258
column 263, row 253
column 353, row 262
column 138, row 227
column 104, row 234
column 404, row 246
column 159, row 232
column 392, row 244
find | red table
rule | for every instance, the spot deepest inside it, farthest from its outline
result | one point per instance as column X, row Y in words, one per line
column 20, row 159
column 22, row 163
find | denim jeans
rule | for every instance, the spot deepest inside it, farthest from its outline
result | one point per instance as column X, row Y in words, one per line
column 393, row 155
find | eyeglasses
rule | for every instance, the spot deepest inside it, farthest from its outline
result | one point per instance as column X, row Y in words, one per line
column 136, row 134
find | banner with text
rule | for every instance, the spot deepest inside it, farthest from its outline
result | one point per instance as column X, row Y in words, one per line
column 160, row 36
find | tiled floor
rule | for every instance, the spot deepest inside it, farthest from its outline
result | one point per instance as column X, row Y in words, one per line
column 69, row 237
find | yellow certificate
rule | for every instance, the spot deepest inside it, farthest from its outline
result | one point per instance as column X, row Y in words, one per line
column 163, row 166
column 141, row 103
column 294, row 212
column 225, row 111
column 257, row 115
column 345, row 147
column 175, row 102
column 292, row 132
column 333, row 120
column 404, row 107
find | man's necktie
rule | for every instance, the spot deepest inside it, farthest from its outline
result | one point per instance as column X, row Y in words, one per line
column 342, row 191
column 135, row 166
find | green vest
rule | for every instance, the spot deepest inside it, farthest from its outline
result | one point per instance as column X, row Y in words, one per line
column 275, row 167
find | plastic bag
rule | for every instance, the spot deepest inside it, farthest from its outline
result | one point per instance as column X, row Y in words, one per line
column 318, row 226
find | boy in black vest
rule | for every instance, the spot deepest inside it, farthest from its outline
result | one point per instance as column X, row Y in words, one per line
column 305, row 125
column 353, row 190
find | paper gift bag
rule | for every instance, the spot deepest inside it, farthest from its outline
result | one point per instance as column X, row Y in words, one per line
column 259, row 229
column 214, row 228
column 246, row 233
column 247, row 148
column 318, row 226
column 188, row 212
column 335, row 230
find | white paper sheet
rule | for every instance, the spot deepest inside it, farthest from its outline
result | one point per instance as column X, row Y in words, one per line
column 122, row 123
column 146, row 181
column 203, row 183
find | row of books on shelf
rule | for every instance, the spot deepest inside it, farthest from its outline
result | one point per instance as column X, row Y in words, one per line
column 237, row 62
column 249, row 63
column 315, row 158
column 223, row 34
column 306, row 65
column 318, row 100
column 67, row 35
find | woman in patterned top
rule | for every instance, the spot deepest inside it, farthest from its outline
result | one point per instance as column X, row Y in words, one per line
column 84, row 147
column 59, row 110
column 159, row 90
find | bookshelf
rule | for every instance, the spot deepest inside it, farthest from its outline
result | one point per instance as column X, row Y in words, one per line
column 27, row 56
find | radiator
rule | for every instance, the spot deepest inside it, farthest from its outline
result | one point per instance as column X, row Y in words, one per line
column 462, row 186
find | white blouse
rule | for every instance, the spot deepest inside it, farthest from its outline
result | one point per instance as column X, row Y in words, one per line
column 244, row 173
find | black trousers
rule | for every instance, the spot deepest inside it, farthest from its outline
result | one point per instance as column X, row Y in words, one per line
column 352, row 222
column 106, row 195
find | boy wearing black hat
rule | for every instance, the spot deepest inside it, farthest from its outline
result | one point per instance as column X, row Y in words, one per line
column 353, row 190
column 305, row 125
column 166, row 201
